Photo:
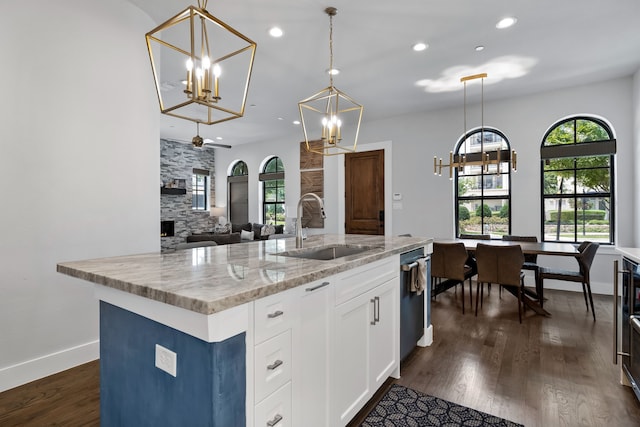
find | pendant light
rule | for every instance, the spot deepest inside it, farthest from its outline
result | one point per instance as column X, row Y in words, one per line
column 483, row 158
column 201, row 66
column 330, row 116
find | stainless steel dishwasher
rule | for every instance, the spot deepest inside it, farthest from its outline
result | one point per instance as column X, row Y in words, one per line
column 412, row 312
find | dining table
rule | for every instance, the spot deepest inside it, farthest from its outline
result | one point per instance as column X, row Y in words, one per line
column 530, row 298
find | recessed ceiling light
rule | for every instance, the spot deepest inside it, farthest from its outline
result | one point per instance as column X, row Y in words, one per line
column 419, row 47
column 296, row 122
column 219, row 138
column 506, row 22
column 333, row 71
column 479, row 48
column 276, row 32
column 280, row 118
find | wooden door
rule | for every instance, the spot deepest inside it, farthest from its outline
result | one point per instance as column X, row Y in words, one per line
column 364, row 192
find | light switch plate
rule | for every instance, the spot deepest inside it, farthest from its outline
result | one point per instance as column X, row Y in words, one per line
column 166, row 360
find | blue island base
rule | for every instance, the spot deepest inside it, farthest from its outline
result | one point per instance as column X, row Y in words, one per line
column 209, row 388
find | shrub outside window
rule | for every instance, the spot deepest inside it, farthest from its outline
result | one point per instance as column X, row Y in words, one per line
column 483, row 196
column 577, row 160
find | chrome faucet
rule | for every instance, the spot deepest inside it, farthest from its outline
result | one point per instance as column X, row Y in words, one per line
column 299, row 212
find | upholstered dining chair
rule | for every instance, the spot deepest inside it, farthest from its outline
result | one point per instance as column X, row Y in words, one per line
column 448, row 262
column 471, row 259
column 501, row 265
column 587, row 252
column 530, row 260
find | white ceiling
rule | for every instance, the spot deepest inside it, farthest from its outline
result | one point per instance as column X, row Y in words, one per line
column 554, row 44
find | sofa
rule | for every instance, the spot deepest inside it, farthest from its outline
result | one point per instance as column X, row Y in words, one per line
column 236, row 233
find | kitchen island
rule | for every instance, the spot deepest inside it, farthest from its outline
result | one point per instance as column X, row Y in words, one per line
column 248, row 334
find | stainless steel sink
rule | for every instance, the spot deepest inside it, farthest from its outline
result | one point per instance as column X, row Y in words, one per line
column 326, row 253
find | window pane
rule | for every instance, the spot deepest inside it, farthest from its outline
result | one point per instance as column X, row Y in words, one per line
column 269, row 213
column 239, row 169
column 562, row 134
column 269, row 195
column 558, row 183
column 593, row 180
column 469, row 186
column 593, row 219
column 593, row 162
column 496, row 185
column 588, row 130
column 559, row 220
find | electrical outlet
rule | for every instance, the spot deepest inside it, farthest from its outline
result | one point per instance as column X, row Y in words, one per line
column 166, row 360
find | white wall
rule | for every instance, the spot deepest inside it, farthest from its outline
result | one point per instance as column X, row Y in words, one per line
column 255, row 155
column 427, row 201
column 79, row 166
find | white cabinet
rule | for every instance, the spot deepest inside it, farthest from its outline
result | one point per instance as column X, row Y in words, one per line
column 311, row 344
column 365, row 343
column 320, row 351
column 385, row 337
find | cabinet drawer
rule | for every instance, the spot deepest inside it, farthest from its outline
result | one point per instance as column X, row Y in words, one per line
column 275, row 410
column 272, row 365
column 273, row 315
column 355, row 282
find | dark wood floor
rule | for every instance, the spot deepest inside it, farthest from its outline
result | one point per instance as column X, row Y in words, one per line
column 70, row 398
column 547, row 371
column 554, row 371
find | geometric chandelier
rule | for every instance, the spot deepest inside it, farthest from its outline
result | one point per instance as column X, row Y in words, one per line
column 201, row 66
column 330, row 116
column 484, row 158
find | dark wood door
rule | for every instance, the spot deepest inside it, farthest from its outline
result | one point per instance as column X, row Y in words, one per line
column 364, row 192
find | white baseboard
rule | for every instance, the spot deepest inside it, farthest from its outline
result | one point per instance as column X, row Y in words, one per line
column 31, row 370
column 427, row 337
column 596, row 287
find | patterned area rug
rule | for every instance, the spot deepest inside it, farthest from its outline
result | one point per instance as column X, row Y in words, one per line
column 404, row 407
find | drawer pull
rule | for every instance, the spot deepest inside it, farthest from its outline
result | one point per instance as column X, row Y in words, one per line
column 321, row 285
column 275, row 420
column 275, row 364
column 275, row 314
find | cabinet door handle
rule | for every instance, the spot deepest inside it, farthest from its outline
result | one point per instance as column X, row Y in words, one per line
column 321, row 285
column 377, row 311
column 275, row 314
column 274, row 365
column 373, row 301
column 275, row 420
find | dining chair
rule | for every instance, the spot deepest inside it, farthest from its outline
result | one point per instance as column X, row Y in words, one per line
column 587, row 252
column 530, row 260
column 471, row 259
column 448, row 262
column 501, row 265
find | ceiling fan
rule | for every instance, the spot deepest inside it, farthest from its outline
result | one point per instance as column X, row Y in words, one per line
column 198, row 141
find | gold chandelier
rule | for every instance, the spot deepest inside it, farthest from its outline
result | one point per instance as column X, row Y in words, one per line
column 201, row 66
column 330, row 114
column 483, row 158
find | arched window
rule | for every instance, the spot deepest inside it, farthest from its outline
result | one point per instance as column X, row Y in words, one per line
column 577, row 181
column 483, row 195
column 272, row 178
column 238, row 193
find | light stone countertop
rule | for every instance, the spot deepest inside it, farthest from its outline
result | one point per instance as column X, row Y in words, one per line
column 211, row 279
column 631, row 253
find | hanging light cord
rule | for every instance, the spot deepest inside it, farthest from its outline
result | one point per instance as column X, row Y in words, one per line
column 331, row 11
